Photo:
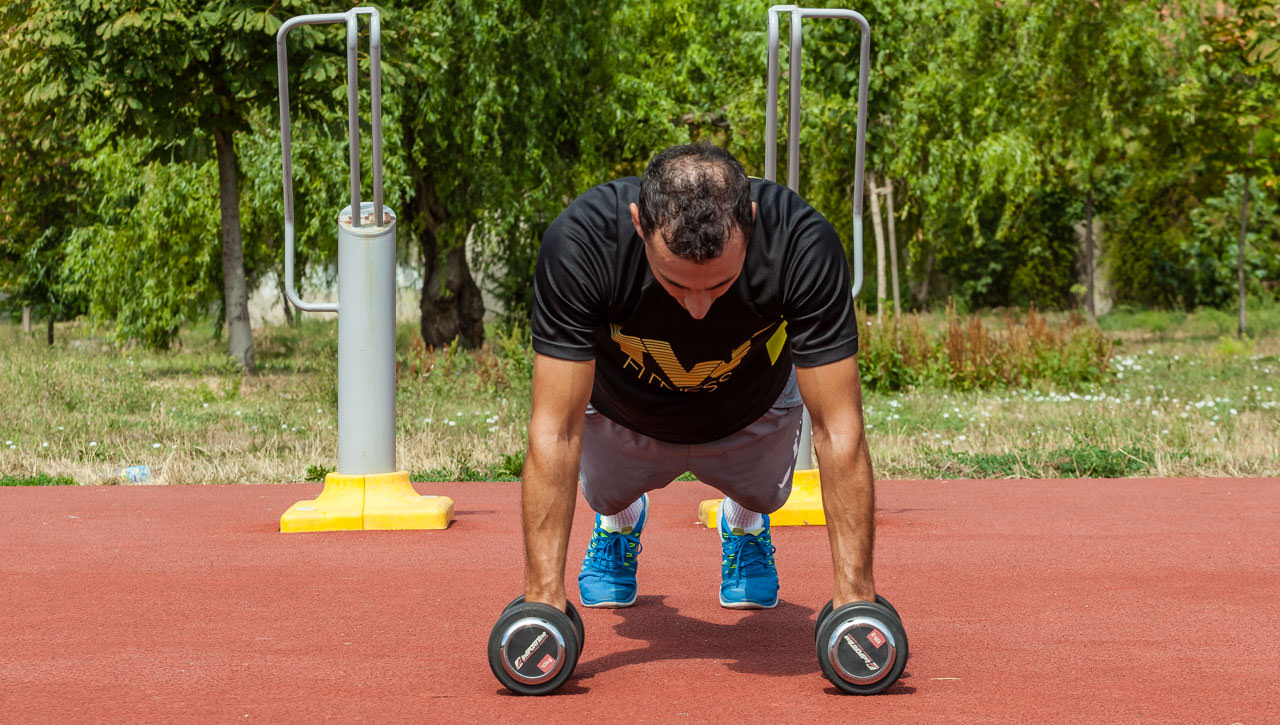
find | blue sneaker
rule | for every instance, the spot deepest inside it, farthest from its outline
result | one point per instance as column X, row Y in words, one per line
column 608, row 576
column 748, row 576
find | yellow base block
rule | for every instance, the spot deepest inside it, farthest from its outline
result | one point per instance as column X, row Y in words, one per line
column 803, row 506
column 390, row 503
column 339, row 507
column 383, row 501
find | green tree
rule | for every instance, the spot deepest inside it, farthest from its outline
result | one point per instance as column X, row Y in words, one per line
column 996, row 116
column 1102, row 75
column 498, row 110
column 38, row 190
column 1242, row 82
column 961, row 140
column 180, row 75
column 141, row 258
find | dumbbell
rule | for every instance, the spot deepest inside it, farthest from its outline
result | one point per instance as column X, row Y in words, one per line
column 862, row 646
column 826, row 609
column 573, row 617
column 534, row 647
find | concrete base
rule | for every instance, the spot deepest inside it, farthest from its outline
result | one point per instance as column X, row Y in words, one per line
column 382, row 501
column 803, row 507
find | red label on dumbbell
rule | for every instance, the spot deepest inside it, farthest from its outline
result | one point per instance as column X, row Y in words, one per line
column 876, row 639
column 546, row 663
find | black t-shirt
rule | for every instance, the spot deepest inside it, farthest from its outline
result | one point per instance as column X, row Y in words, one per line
column 659, row 371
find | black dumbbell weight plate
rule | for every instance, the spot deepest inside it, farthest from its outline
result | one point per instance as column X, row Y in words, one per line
column 578, row 626
column 861, row 648
column 573, row 617
column 826, row 609
column 822, row 614
column 533, row 648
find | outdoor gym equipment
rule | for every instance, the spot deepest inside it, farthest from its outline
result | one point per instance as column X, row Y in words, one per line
column 367, row 491
column 804, row 507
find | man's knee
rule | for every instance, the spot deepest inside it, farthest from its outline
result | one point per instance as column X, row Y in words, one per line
column 762, row 501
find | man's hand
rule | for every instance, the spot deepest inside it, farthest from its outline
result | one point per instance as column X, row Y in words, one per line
column 561, row 389
column 833, row 395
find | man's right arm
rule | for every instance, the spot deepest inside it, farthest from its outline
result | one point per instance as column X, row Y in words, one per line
column 561, row 390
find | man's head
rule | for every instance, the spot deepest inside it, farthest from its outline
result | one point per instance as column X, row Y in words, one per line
column 695, row 196
column 695, row 215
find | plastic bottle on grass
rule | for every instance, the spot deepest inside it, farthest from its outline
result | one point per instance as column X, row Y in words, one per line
column 134, row 474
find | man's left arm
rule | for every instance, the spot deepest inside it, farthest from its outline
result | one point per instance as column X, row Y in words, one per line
column 833, row 395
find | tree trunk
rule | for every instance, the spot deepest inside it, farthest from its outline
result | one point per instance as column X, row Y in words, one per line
column 1244, row 230
column 451, row 304
column 893, row 250
column 48, row 336
column 878, row 225
column 922, row 292
column 234, row 286
column 289, row 318
column 26, row 319
column 1088, row 250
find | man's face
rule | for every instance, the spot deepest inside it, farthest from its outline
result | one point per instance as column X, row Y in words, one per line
column 695, row 285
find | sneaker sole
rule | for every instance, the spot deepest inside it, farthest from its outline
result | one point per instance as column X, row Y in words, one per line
column 608, row 605
column 746, row 605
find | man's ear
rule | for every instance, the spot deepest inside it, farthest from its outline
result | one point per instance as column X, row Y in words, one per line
column 635, row 220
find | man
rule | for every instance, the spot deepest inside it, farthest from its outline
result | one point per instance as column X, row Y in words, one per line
column 669, row 315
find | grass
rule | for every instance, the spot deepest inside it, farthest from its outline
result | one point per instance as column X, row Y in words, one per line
column 1165, row 409
column 1262, row 320
column 40, row 479
column 85, row 408
column 1187, row 400
column 968, row 352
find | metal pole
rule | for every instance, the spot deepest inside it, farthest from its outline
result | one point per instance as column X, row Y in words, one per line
column 366, row 266
column 804, row 457
column 771, row 107
column 793, row 111
column 286, row 153
column 353, row 113
column 375, row 102
column 366, row 343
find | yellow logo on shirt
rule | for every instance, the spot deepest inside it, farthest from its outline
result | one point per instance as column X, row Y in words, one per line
column 672, row 375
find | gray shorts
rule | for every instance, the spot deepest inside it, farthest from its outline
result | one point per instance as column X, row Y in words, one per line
column 753, row 466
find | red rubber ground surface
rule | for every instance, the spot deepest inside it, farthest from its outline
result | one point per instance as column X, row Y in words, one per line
column 1029, row 602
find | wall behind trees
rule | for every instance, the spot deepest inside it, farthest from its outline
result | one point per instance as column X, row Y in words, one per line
column 1002, row 127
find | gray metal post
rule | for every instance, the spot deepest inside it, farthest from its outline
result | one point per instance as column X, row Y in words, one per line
column 366, row 343
column 804, row 458
column 366, row 266
column 793, row 109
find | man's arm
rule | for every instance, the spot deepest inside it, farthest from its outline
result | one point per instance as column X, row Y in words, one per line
column 833, row 395
column 561, row 389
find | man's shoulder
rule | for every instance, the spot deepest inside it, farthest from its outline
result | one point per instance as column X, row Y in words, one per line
column 784, row 217
column 772, row 195
column 624, row 189
column 601, row 209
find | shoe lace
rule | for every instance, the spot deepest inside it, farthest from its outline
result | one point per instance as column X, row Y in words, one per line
column 748, row 551
column 612, row 551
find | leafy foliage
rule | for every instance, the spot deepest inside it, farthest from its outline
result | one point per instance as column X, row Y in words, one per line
column 1000, row 124
column 968, row 355
column 40, row 479
column 1211, row 250
column 145, row 261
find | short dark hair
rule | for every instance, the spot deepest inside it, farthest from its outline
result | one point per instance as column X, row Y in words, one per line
column 695, row 195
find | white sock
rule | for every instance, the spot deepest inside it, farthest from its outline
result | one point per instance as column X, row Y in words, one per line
column 739, row 520
column 625, row 520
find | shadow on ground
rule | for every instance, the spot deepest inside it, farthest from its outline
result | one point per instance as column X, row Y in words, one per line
column 774, row 642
